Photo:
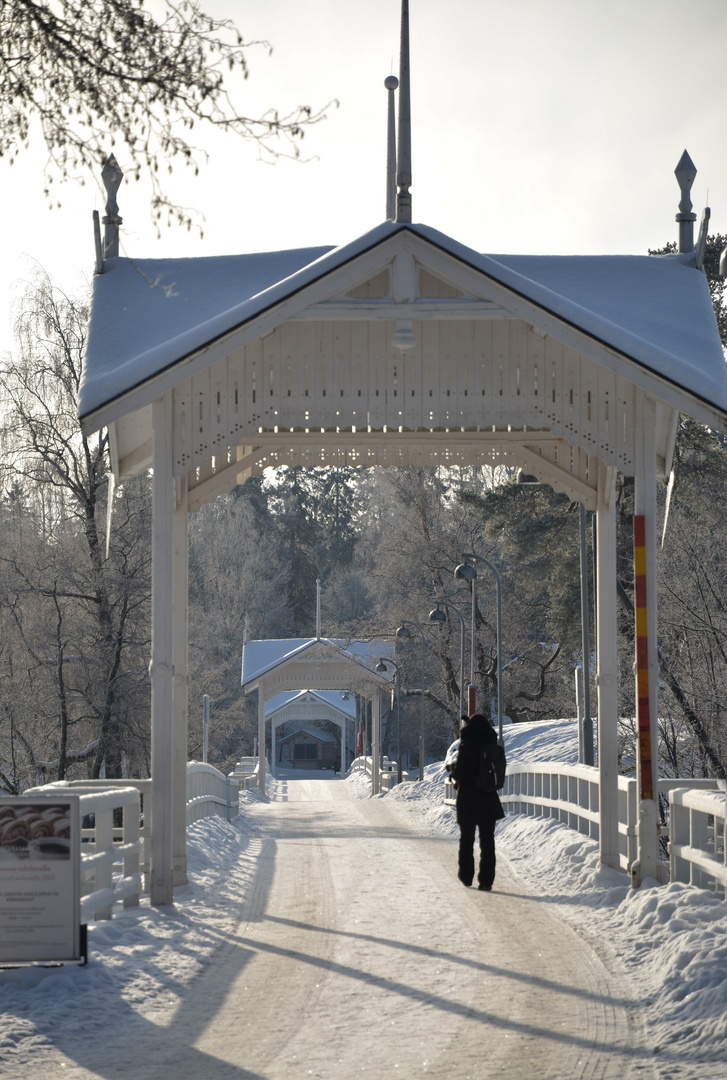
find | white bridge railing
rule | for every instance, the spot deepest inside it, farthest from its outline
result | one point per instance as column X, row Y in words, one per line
column 115, row 857
column 389, row 771
column 697, row 850
column 111, row 857
column 210, row 792
column 570, row 793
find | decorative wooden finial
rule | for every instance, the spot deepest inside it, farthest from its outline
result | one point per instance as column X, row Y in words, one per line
column 112, row 176
column 391, row 83
column 685, row 173
column 403, row 198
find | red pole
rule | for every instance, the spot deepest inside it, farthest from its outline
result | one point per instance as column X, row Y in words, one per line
column 643, row 714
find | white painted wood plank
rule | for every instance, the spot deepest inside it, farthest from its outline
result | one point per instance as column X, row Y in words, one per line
column 182, row 425
column 200, row 398
column 218, row 424
column 535, row 379
column 379, row 335
column 500, row 360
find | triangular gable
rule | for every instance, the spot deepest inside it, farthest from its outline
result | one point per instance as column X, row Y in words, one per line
column 263, row 657
column 328, row 698
column 656, row 311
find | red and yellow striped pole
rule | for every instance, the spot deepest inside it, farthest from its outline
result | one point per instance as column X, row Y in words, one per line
column 643, row 712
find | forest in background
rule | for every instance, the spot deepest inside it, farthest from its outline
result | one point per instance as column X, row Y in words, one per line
column 384, row 543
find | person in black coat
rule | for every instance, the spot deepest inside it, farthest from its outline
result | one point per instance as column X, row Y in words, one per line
column 475, row 808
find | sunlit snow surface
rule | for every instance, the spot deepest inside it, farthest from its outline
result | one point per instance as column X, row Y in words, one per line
column 671, row 941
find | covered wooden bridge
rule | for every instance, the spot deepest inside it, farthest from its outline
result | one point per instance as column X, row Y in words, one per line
column 402, row 347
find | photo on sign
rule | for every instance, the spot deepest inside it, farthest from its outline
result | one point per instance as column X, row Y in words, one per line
column 35, row 832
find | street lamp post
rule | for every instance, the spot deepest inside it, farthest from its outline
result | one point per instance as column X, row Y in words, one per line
column 438, row 616
column 472, row 577
column 465, row 572
column 381, row 667
column 405, row 632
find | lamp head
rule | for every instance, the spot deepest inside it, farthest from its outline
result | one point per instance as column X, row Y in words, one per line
column 381, row 667
column 465, row 572
column 438, row 616
column 403, row 632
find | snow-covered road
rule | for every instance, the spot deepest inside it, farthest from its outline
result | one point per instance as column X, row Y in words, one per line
column 324, row 934
column 356, row 952
column 360, row 954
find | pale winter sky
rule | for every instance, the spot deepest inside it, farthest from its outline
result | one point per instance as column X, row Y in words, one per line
column 537, row 128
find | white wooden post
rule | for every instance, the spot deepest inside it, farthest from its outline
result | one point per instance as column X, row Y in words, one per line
column 607, row 664
column 160, row 668
column 104, row 841
column 180, row 573
column 272, row 746
column 375, row 742
column 131, row 836
column 261, row 737
column 645, row 506
column 343, row 747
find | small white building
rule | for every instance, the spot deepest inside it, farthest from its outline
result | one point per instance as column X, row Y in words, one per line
column 299, row 716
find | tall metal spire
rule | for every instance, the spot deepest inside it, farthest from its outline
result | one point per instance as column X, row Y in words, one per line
column 391, row 83
column 403, row 198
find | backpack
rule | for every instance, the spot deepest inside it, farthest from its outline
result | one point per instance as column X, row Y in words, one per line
column 491, row 772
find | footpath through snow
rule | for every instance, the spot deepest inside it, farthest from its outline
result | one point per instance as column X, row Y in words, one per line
column 668, row 946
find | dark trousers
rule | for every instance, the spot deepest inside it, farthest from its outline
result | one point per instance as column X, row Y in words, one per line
column 483, row 820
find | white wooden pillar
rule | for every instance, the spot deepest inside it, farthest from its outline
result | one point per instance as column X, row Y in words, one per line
column 607, row 664
column 261, row 737
column 343, row 747
column 375, row 741
column 180, row 594
column 646, row 637
column 160, row 668
column 272, row 747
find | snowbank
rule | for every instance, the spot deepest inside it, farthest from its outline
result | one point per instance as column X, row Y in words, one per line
column 669, row 942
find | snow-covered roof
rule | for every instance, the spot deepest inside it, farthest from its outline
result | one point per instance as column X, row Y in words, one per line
column 259, row 657
column 656, row 310
column 332, row 698
column 148, row 313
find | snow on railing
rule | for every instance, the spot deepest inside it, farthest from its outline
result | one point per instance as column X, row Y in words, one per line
column 697, row 851
column 115, row 858
column 361, row 764
column 245, row 768
column 110, row 857
column 210, row 793
column 570, row 793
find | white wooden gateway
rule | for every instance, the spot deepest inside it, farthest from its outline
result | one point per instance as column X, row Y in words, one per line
column 401, row 347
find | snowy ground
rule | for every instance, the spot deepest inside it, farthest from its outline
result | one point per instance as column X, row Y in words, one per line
column 671, row 942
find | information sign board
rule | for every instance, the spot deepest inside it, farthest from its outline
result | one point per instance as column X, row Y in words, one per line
column 40, row 879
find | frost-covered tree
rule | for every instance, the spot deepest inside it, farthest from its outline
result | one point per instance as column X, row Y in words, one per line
column 89, row 72
column 74, row 692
